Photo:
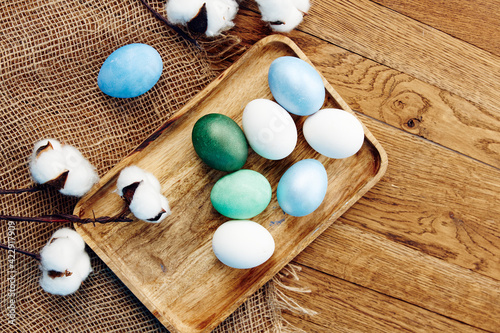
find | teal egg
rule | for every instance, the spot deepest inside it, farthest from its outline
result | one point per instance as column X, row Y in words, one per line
column 130, row 71
column 220, row 142
column 241, row 195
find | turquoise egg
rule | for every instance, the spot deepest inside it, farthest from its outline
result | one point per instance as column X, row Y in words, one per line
column 241, row 195
column 296, row 85
column 130, row 71
column 220, row 142
column 302, row 187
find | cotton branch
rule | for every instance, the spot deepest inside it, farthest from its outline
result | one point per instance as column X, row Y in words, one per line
column 35, row 256
column 65, row 218
column 173, row 27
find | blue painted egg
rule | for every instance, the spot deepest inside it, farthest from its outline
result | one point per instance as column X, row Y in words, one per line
column 130, row 71
column 302, row 187
column 296, row 85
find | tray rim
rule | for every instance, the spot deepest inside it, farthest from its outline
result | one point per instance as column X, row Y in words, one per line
column 276, row 38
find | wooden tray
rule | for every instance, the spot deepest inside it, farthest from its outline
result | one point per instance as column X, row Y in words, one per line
column 170, row 266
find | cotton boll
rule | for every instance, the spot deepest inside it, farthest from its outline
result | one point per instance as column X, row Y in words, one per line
column 220, row 15
column 59, row 254
column 72, row 235
column 147, row 203
column 63, row 285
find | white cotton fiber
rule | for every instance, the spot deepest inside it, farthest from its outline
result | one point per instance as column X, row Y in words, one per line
column 220, row 13
column 134, row 174
column 59, row 254
column 64, row 285
column 182, row 11
column 288, row 12
column 82, row 175
column 147, row 204
column 47, row 166
column 82, row 266
column 78, row 242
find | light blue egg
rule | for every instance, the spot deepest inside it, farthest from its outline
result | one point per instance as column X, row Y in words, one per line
column 130, row 71
column 296, row 85
column 302, row 187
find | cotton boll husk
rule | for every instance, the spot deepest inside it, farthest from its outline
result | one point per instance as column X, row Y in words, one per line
column 72, row 235
column 82, row 175
column 82, row 266
column 47, row 166
column 56, row 145
column 59, row 254
column 64, row 285
column 220, row 15
column 166, row 207
column 146, row 203
column 182, row 11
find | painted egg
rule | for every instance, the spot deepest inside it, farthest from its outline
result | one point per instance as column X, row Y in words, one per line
column 130, row 71
column 269, row 129
column 296, row 85
column 302, row 187
column 242, row 244
column 334, row 133
column 241, row 194
column 220, row 142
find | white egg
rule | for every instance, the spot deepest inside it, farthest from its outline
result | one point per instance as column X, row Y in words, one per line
column 334, row 133
column 269, row 129
column 242, row 244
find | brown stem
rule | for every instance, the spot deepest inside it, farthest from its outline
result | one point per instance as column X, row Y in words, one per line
column 175, row 28
column 34, row 188
column 65, row 218
column 35, row 256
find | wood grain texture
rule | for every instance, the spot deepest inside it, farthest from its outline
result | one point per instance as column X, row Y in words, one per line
column 342, row 306
column 476, row 22
column 379, row 264
column 170, row 266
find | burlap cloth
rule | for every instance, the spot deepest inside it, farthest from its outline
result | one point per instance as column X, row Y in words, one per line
column 50, row 55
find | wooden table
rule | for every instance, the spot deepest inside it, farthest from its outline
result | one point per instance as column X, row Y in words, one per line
column 420, row 252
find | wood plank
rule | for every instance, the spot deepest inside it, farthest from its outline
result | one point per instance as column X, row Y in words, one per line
column 432, row 199
column 475, row 22
column 345, row 307
column 374, row 262
column 396, row 98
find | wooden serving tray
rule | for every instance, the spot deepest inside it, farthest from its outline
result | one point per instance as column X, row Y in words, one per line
column 170, row 266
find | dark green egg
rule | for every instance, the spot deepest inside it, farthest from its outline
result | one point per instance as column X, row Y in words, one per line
column 220, row 142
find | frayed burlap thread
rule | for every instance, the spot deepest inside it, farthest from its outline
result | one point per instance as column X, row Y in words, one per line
column 50, row 55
